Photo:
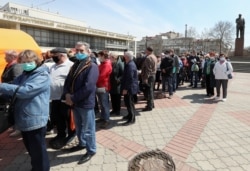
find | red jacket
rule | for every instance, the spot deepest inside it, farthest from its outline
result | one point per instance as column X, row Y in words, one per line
column 105, row 69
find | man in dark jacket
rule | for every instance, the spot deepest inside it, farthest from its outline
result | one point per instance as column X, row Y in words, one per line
column 129, row 87
column 79, row 92
column 167, row 73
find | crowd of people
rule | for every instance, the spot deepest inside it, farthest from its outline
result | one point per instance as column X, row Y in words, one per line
column 67, row 89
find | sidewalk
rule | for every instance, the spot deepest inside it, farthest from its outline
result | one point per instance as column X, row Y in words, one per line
column 198, row 132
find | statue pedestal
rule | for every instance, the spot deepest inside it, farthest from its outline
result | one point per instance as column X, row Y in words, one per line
column 239, row 46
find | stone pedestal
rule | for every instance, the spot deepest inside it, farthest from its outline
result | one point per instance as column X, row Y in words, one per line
column 239, row 46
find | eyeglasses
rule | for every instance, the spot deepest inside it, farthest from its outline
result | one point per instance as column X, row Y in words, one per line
column 80, row 50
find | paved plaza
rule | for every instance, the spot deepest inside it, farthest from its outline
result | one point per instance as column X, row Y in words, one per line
column 198, row 132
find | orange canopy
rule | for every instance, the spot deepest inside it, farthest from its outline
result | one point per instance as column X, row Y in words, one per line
column 15, row 40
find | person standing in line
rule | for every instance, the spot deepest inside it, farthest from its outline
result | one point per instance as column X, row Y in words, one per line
column 115, row 81
column 221, row 70
column 103, row 88
column 129, row 87
column 10, row 72
column 148, row 72
column 79, row 93
column 195, row 72
column 59, row 110
column 31, row 111
column 167, row 74
column 158, row 73
column 176, row 68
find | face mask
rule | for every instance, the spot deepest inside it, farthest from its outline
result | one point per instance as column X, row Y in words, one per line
column 81, row 56
column 55, row 59
column 29, row 66
column 222, row 59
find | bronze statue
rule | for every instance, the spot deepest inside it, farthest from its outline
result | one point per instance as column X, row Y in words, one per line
column 240, row 26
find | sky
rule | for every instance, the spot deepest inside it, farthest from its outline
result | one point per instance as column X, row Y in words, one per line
column 140, row 18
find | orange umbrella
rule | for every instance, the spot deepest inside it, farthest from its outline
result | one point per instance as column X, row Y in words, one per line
column 15, row 40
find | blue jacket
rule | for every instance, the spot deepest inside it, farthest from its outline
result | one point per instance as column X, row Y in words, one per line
column 32, row 103
column 82, row 86
column 130, row 78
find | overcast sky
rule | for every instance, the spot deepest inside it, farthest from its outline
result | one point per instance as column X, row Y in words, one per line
column 141, row 18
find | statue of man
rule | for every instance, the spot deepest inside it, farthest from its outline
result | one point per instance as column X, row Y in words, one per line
column 240, row 26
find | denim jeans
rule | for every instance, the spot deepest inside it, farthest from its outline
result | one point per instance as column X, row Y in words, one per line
column 169, row 80
column 35, row 144
column 103, row 99
column 85, row 128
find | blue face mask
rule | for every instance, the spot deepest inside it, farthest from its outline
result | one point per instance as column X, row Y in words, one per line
column 29, row 66
column 81, row 56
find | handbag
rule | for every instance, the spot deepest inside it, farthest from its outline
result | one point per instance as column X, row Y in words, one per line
column 3, row 118
column 7, row 113
column 11, row 108
column 229, row 76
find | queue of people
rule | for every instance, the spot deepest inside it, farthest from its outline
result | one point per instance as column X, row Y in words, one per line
column 66, row 92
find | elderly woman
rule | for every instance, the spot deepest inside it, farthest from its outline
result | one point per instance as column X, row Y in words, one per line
column 103, row 88
column 11, row 71
column 31, row 106
column 115, row 81
column 221, row 70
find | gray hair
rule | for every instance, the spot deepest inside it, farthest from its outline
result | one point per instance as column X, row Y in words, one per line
column 87, row 46
column 129, row 54
column 12, row 53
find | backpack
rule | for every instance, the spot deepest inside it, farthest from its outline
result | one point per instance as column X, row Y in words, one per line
column 196, row 67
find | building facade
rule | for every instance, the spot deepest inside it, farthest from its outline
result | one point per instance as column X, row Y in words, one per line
column 52, row 30
column 180, row 44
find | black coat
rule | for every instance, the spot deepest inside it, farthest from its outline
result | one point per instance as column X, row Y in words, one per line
column 116, row 77
column 167, row 64
column 11, row 72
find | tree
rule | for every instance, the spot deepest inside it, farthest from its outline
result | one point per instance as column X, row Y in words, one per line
column 191, row 32
column 223, row 31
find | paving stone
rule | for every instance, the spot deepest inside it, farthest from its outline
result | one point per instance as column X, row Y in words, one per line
column 205, row 165
column 218, row 164
column 229, row 161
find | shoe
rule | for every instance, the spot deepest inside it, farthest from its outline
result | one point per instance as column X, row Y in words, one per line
column 86, row 157
column 146, row 109
column 150, row 107
column 112, row 112
column 105, row 125
column 69, row 138
column 58, row 137
column 76, row 148
column 125, row 117
column 57, row 144
column 10, row 130
column 15, row 133
column 217, row 98
column 224, row 99
column 128, row 123
column 99, row 121
column 170, row 96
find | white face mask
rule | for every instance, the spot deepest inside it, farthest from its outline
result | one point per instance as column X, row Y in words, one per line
column 222, row 58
